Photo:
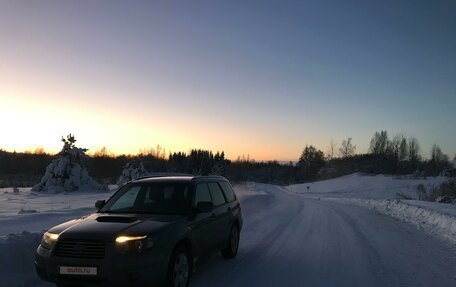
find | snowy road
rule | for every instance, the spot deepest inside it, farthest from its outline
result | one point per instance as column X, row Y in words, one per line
column 292, row 241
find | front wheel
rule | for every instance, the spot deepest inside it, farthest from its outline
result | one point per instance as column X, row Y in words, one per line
column 233, row 243
column 179, row 269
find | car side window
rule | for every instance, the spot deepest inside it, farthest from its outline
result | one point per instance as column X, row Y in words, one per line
column 216, row 193
column 229, row 193
column 202, row 194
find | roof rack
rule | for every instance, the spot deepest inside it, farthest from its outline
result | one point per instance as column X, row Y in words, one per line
column 162, row 174
column 211, row 175
column 168, row 174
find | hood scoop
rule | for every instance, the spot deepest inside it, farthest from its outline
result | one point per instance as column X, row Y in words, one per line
column 117, row 219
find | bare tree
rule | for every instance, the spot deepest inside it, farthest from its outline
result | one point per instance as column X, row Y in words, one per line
column 439, row 162
column 403, row 150
column 158, row 152
column 397, row 147
column 379, row 143
column 437, row 155
column 347, row 149
column 393, row 147
column 331, row 153
column 413, row 151
column 103, row 152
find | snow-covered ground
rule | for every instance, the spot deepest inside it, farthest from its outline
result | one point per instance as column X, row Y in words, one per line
column 25, row 210
column 384, row 194
column 290, row 238
column 359, row 185
column 11, row 203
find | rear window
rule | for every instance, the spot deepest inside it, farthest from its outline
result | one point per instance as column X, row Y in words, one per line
column 229, row 193
column 202, row 194
column 216, row 193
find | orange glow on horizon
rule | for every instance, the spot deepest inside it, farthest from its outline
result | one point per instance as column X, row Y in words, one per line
column 38, row 123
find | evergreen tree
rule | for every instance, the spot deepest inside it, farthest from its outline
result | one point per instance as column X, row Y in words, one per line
column 67, row 172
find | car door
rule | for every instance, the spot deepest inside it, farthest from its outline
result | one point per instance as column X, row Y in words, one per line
column 233, row 207
column 221, row 216
column 204, row 223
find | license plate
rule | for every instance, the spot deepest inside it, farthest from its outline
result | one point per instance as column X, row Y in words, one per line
column 69, row 270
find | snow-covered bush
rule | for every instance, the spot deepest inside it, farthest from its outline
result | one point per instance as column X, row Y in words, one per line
column 445, row 193
column 131, row 170
column 67, row 172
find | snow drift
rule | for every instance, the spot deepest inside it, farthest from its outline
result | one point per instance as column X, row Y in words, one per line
column 434, row 219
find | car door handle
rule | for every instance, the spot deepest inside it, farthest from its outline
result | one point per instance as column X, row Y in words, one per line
column 228, row 209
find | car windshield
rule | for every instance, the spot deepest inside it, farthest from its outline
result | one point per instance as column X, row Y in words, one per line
column 153, row 198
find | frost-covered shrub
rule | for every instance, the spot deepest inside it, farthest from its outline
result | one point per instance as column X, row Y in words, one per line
column 131, row 170
column 67, row 172
column 445, row 193
column 421, row 192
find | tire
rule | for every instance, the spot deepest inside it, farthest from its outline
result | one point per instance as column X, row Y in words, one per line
column 180, row 268
column 233, row 243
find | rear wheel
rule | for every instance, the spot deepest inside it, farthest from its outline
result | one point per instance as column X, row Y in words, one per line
column 233, row 243
column 179, row 269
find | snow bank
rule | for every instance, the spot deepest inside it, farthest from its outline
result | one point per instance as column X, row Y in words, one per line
column 384, row 194
column 435, row 219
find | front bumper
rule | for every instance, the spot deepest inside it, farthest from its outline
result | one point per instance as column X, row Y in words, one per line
column 114, row 270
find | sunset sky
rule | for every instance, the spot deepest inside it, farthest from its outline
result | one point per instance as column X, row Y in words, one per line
column 262, row 78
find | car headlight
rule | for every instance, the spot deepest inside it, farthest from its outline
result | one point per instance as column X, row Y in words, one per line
column 133, row 244
column 49, row 240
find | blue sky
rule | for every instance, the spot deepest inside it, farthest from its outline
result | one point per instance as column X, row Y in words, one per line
column 263, row 78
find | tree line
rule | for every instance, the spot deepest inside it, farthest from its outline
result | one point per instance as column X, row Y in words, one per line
column 395, row 155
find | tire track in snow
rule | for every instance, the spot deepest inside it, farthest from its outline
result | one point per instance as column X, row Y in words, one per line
column 263, row 230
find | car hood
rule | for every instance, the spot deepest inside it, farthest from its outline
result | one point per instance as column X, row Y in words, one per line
column 106, row 226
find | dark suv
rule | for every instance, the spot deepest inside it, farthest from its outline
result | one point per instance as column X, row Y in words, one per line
column 149, row 233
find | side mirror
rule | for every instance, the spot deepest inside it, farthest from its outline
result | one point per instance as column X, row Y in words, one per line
column 204, row 206
column 99, row 204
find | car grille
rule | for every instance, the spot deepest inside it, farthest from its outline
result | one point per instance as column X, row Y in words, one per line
column 73, row 248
